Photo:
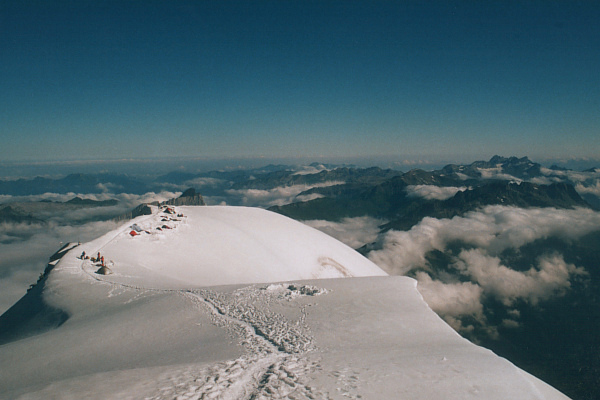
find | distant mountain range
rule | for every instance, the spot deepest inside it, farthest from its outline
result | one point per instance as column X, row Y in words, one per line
column 390, row 197
column 521, row 168
column 38, row 211
column 74, row 183
column 354, row 181
column 12, row 215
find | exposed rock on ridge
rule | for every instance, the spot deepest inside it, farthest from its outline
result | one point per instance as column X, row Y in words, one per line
column 188, row 198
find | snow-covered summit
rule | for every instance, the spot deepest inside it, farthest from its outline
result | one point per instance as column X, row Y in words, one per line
column 190, row 247
column 229, row 303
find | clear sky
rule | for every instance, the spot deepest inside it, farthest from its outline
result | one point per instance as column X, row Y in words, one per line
column 92, row 79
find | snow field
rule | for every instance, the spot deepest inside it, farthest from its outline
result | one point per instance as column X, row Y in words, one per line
column 159, row 327
column 227, row 245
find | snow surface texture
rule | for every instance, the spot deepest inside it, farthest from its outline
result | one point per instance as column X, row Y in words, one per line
column 159, row 327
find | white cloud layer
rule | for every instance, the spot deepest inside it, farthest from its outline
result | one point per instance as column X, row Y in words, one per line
column 586, row 182
column 494, row 228
column 275, row 197
column 573, row 176
column 497, row 173
column 127, row 200
column 71, row 215
column 354, row 232
column 592, row 189
column 201, row 182
column 432, row 192
column 550, row 278
column 311, row 169
column 488, row 232
column 451, row 299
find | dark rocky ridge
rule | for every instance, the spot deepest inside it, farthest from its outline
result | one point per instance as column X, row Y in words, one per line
column 390, row 200
column 187, row 198
column 95, row 203
column 77, row 183
column 387, row 195
column 9, row 214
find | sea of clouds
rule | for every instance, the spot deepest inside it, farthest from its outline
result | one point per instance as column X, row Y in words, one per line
column 484, row 235
column 432, row 192
column 275, row 197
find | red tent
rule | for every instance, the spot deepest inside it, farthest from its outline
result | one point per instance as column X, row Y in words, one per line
column 133, row 233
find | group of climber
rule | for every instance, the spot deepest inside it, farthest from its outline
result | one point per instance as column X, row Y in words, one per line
column 98, row 261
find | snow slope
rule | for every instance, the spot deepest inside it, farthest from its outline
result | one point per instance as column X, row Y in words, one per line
column 225, row 245
column 229, row 304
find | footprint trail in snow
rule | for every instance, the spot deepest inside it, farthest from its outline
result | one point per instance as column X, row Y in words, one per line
column 274, row 365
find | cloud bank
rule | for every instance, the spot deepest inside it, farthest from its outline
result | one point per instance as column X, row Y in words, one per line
column 497, row 173
column 432, row 192
column 275, row 197
column 494, row 228
column 311, row 169
column 354, row 232
column 483, row 235
column 451, row 299
column 593, row 189
column 551, row 277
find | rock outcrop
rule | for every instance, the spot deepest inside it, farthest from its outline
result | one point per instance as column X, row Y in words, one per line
column 188, row 198
column 142, row 209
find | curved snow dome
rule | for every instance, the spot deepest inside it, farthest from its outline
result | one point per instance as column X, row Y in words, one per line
column 221, row 245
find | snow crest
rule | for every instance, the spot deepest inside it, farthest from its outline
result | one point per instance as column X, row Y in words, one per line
column 194, row 247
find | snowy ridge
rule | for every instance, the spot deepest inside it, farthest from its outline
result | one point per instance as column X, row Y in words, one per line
column 158, row 327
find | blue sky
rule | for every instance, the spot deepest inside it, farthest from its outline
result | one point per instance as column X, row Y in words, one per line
column 225, row 79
